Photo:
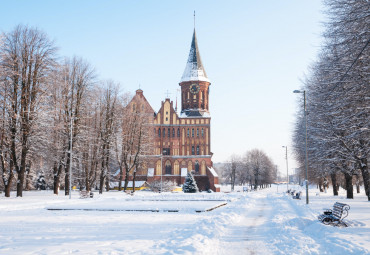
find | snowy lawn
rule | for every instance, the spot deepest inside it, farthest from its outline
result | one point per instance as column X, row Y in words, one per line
column 263, row 222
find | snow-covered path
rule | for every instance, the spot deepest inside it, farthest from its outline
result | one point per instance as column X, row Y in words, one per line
column 246, row 234
column 262, row 222
column 270, row 223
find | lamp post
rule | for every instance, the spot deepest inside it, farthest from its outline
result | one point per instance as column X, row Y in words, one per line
column 287, row 173
column 161, row 170
column 305, row 127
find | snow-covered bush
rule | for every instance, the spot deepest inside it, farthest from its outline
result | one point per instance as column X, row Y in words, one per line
column 190, row 185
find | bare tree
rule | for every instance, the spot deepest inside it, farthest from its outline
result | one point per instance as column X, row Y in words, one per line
column 27, row 58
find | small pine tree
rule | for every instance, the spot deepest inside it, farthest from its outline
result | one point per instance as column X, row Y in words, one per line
column 190, row 186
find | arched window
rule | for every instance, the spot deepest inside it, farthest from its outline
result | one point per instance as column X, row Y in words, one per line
column 164, row 132
column 188, row 133
column 168, row 167
column 173, row 132
column 192, row 132
column 159, row 132
column 178, row 132
column 190, row 166
column 197, row 167
column 203, row 169
column 192, row 150
column 176, row 168
column 169, row 132
column 197, row 132
column 198, row 150
column 158, row 168
column 202, row 132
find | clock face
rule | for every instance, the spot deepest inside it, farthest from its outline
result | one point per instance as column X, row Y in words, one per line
column 194, row 88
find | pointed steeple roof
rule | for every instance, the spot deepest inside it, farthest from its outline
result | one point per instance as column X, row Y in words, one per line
column 194, row 70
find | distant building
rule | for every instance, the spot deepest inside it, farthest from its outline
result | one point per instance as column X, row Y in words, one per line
column 183, row 139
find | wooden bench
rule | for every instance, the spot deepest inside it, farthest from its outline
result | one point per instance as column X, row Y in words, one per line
column 86, row 194
column 336, row 215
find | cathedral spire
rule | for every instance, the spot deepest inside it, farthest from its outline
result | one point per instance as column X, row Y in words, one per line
column 194, row 70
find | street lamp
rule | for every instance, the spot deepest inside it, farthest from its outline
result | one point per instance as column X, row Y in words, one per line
column 305, row 126
column 161, row 170
column 287, row 174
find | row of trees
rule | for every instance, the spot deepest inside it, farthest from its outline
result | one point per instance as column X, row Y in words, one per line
column 48, row 107
column 338, row 99
column 254, row 168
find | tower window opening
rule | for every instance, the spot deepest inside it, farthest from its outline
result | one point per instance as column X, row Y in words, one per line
column 188, row 133
column 197, row 132
column 166, row 151
column 173, row 132
column 192, row 150
column 198, row 150
column 159, row 132
column 192, row 132
column 202, row 132
column 178, row 132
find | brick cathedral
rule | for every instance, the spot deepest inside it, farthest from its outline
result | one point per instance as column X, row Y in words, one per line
column 182, row 140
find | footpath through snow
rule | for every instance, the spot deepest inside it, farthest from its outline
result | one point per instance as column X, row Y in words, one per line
column 262, row 222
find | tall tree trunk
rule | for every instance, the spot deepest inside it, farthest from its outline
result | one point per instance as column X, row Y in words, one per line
column 20, row 182
column 107, row 170
column 365, row 176
column 334, row 183
column 102, row 179
column 126, row 180
column 120, row 178
column 349, row 185
column 133, row 181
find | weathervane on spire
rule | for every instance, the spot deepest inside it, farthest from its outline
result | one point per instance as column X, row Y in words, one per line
column 194, row 19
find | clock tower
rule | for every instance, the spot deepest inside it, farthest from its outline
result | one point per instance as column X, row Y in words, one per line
column 194, row 85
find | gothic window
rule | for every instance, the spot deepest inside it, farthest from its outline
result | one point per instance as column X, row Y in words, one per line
column 159, row 132
column 178, row 132
column 196, row 167
column 190, row 166
column 198, row 150
column 192, row 132
column 203, row 169
column 202, row 132
column 173, row 132
column 192, row 150
column 176, row 168
column 168, row 167
column 169, row 132
column 164, row 132
column 158, row 168
column 197, row 132
column 188, row 133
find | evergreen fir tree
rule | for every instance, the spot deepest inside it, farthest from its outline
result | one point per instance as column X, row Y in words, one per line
column 190, row 186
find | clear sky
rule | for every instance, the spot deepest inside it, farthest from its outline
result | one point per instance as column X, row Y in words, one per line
column 254, row 52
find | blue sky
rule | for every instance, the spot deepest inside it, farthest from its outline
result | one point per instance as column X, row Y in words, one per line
column 254, row 52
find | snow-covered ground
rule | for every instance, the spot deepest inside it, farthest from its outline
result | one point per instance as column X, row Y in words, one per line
column 264, row 222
